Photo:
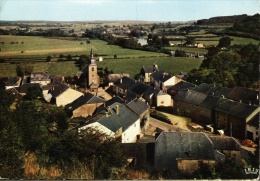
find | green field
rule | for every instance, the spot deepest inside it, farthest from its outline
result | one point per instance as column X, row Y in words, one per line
column 188, row 49
column 173, row 65
column 42, row 47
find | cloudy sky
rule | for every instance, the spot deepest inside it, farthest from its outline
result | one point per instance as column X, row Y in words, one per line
column 148, row 10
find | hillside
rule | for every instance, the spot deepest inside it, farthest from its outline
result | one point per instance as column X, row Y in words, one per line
column 221, row 20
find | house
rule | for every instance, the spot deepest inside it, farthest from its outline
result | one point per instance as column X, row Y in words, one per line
column 244, row 95
column 228, row 146
column 252, row 128
column 150, row 96
column 163, row 99
column 162, row 80
column 24, row 88
column 144, row 75
column 173, row 90
column 61, row 95
column 84, row 105
column 120, row 86
column 119, row 122
column 112, row 78
column 199, row 45
column 43, row 78
column 213, row 90
column 142, row 110
column 232, row 117
column 183, row 151
column 58, row 79
column 11, row 82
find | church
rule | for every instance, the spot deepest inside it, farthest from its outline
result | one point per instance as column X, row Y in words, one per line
column 91, row 73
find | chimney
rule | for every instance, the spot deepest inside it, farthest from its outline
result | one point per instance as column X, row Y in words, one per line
column 107, row 115
column 121, row 81
column 117, row 109
column 257, row 97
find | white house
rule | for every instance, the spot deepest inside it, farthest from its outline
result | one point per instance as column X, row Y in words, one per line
column 118, row 122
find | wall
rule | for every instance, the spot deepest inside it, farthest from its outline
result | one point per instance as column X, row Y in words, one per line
column 164, row 100
column 192, row 165
column 130, row 135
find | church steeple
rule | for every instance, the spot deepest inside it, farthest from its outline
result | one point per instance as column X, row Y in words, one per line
column 92, row 59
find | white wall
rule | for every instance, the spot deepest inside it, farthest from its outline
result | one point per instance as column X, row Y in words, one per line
column 254, row 130
column 164, row 100
column 130, row 135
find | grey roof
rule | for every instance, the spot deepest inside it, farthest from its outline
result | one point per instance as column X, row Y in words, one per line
column 123, row 120
column 124, row 83
column 244, row 94
column 171, row 146
column 161, row 76
column 190, row 96
column 225, row 143
column 23, row 88
column 138, row 106
column 10, row 81
column 58, row 89
column 87, row 98
column 139, row 88
column 181, row 86
column 237, row 109
column 255, row 121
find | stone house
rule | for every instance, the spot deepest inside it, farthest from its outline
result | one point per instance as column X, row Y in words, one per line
column 233, row 117
column 84, row 105
column 163, row 99
column 145, row 73
column 61, row 95
column 228, row 146
column 112, row 78
column 120, row 86
column 252, row 128
column 162, row 80
column 183, row 151
column 118, row 122
column 173, row 90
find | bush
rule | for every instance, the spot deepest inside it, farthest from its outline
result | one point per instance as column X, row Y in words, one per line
column 160, row 117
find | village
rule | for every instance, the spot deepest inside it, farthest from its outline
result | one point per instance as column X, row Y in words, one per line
column 223, row 123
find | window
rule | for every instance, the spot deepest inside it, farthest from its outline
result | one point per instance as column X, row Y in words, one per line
column 256, row 133
column 162, row 102
column 93, row 68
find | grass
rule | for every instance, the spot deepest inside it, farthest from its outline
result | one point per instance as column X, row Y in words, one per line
column 173, row 65
column 187, row 49
column 42, row 47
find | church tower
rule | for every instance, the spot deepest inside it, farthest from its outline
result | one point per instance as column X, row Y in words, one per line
column 93, row 78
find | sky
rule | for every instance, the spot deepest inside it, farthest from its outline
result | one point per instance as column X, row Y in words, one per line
column 144, row 10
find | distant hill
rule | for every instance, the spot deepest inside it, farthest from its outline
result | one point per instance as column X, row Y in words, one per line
column 221, row 20
column 249, row 24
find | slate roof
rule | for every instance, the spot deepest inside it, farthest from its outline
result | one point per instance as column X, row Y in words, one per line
column 124, row 119
column 10, row 81
column 244, row 94
column 225, row 143
column 138, row 106
column 87, row 98
column 237, row 109
column 126, row 82
column 139, row 88
column 181, row 86
column 161, row 76
column 171, row 146
column 23, row 88
column 58, row 79
column 255, row 121
column 190, row 96
column 58, row 89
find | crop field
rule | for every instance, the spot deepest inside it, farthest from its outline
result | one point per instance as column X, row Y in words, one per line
column 24, row 46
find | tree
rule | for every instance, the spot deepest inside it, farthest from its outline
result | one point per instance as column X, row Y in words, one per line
column 33, row 93
column 19, row 71
column 224, row 42
column 48, row 59
column 190, row 40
